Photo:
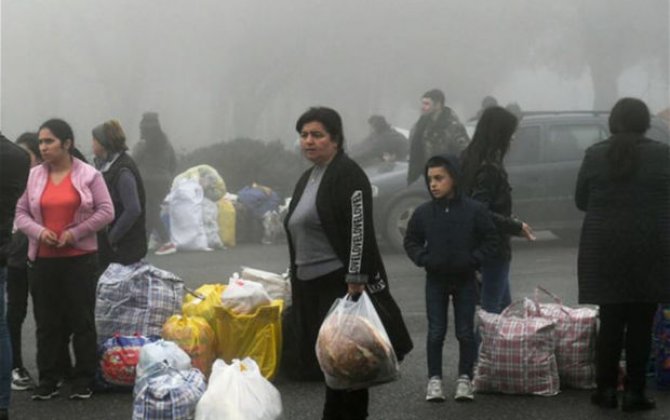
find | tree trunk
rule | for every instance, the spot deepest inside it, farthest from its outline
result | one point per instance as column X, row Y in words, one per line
column 605, row 77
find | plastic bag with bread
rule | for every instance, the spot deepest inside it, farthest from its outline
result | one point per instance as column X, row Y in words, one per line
column 353, row 348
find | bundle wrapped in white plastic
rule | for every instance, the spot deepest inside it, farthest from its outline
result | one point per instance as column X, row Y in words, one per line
column 238, row 392
column 244, row 296
column 162, row 351
column 278, row 286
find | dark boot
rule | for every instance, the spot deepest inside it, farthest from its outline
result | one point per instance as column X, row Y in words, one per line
column 605, row 398
column 637, row 401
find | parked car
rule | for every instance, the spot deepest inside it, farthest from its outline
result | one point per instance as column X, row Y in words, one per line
column 543, row 161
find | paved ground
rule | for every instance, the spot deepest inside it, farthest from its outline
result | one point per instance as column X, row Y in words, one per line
column 550, row 263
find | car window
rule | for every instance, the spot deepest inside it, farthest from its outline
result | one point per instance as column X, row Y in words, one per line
column 525, row 147
column 568, row 142
column 658, row 133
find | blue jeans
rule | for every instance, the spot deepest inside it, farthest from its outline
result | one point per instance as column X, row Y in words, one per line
column 464, row 298
column 495, row 293
column 5, row 347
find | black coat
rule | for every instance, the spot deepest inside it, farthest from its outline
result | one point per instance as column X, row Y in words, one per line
column 624, row 251
column 14, row 169
column 344, row 206
column 491, row 187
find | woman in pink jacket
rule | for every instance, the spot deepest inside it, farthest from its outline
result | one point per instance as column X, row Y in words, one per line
column 65, row 203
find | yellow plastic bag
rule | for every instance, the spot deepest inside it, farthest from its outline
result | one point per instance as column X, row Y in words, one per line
column 227, row 222
column 195, row 336
column 196, row 306
column 257, row 335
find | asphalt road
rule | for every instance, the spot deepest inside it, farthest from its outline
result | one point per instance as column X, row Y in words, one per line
column 548, row 263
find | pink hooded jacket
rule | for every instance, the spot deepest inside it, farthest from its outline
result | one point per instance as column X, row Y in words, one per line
column 95, row 212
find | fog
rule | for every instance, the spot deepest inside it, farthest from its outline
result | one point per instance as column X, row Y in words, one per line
column 216, row 70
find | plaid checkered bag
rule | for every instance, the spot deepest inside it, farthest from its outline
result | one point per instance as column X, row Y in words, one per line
column 516, row 355
column 135, row 299
column 575, row 334
column 661, row 346
column 165, row 393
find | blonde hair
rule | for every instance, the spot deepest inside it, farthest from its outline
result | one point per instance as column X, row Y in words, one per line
column 115, row 136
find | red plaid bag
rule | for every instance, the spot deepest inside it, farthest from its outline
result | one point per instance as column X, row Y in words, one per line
column 575, row 335
column 516, row 355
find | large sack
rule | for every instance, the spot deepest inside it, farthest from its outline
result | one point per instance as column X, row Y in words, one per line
column 227, row 222
column 239, row 392
column 353, row 348
column 210, row 219
column 196, row 337
column 136, row 298
column 209, row 179
column 575, row 334
column 516, row 355
column 278, row 286
column 167, row 393
column 187, row 227
column 257, row 335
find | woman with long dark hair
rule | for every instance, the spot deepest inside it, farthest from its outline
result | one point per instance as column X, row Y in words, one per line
column 64, row 205
column 624, row 250
column 485, row 180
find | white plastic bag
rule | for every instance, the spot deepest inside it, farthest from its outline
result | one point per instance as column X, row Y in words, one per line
column 162, row 351
column 210, row 219
column 243, row 296
column 353, row 348
column 238, row 392
column 278, row 286
column 187, row 229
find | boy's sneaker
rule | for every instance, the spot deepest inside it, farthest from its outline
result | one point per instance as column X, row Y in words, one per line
column 21, row 380
column 434, row 391
column 167, row 249
column 464, row 389
column 45, row 391
column 80, row 393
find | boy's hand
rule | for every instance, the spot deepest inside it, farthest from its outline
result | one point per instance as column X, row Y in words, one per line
column 354, row 289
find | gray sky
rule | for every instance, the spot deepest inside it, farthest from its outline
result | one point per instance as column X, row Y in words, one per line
column 215, row 69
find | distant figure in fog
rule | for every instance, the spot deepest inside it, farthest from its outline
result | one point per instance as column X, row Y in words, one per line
column 156, row 159
column 384, row 144
column 487, row 102
column 438, row 131
column 515, row 109
column 624, row 251
column 124, row 241
column 485, row 180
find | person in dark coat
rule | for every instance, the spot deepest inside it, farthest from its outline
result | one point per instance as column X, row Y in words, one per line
column 438, row 131
column 485, row 180
column 157, row 162
column 384, row 144
column 333, row 251
column 14, row 170
column 124, row 241
column 450, row 236
column 624, row 251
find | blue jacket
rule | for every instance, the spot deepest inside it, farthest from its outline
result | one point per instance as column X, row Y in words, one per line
column 451, row 236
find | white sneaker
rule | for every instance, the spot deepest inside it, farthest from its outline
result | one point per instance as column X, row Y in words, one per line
column 167, row 249
column 464, row 389
column 434, row 391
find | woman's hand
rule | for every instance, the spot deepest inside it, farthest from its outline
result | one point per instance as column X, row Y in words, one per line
column 527, row 232
column 49, row 237
column 354, row 289
column 66, row 238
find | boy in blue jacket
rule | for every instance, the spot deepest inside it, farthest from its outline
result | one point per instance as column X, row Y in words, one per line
column 450, row 236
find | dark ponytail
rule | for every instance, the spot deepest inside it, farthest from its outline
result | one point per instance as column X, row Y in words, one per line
column 628, row 122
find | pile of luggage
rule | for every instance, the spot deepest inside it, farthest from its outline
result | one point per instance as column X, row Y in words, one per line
column 174, row 347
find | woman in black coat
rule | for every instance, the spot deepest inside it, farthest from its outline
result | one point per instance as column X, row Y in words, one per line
column 624, row 251
column 333, row 251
